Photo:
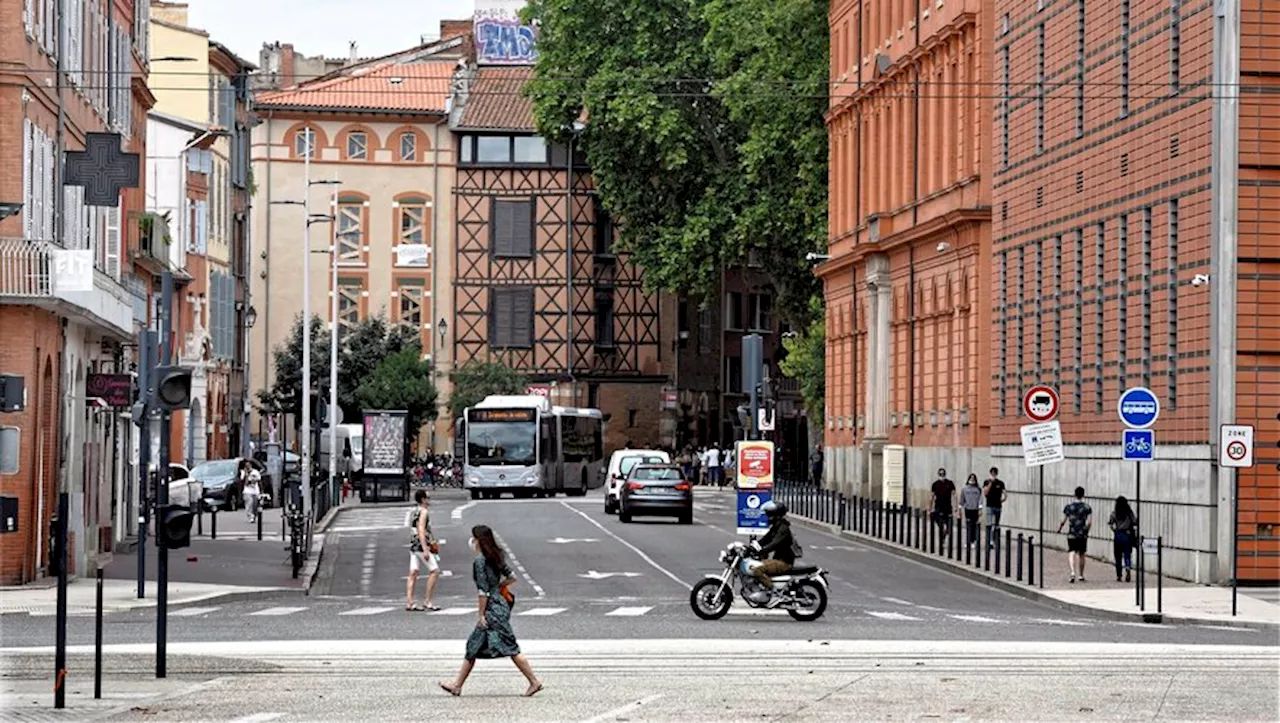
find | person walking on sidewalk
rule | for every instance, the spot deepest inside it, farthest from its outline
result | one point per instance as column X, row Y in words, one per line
column 493, row 636
column 944, row 504
column 698, row 456
column 424, row 552
column 1125, row 526
column 996, row 494
column 971, row 501
column 251, row 491
column 1077, row 516
column 715, row 473
column 815, row 466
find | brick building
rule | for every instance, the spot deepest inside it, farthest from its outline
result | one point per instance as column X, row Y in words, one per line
column 906, row 293
column 1131, row 241
column 537, row 282
column 63, row 75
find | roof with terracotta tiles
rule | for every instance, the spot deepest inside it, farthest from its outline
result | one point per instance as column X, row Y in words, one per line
column 496, row 100
column 416, row 86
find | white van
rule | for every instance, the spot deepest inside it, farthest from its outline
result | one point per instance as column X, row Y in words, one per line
column 350, row 450
column 620, row 465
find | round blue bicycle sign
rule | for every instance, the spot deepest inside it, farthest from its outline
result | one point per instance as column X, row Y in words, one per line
column 1139, row 408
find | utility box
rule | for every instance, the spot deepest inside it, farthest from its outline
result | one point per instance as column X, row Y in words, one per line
column 8, row 514
column 892, row 486
column 13, row 394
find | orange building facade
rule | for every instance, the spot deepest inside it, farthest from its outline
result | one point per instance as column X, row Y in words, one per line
column 1118, row 226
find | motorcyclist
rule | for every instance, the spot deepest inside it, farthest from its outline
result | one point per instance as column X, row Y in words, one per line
column 780, row 543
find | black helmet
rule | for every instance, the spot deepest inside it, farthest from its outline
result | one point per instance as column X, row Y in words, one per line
column 774, row 510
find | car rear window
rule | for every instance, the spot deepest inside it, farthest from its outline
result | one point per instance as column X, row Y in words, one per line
column 629, row 463
column 657, row 474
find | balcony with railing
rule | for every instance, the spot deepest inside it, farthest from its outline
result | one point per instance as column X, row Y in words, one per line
column 35, row 273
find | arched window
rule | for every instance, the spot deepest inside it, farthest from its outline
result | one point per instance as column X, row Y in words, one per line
column 353, row 225
column 305, row 140
column 413, row 230
column 408, row 147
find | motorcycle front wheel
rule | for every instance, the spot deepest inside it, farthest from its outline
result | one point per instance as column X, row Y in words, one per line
column 812, row 601
column 708, row 602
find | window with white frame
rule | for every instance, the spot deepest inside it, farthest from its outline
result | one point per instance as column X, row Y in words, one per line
column 357, row 146
column 304, row 143
column 413, row 221
column 351, row 226
column 408, row 147
column 350, row 293
column 412, row 301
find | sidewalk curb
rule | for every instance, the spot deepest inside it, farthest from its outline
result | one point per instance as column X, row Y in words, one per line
column 1022, row 590
column 247, row 595
column 312, row 565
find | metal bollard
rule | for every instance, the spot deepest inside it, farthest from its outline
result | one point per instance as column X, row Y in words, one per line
column 919, row 530
column 1031, row 561
column 986, row 557
column 930, row 533
column 97, row 639
column 200, row 518
column 259, row 525
column 214, row 533
column 968, row 544
column 1008, row 558
column 1160, row 574
column 1019, row 557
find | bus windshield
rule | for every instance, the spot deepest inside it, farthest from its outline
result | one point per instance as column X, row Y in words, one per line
column 502, row 437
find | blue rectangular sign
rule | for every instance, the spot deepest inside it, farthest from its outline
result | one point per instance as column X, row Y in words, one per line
column 1139, row 445
column 751, row 517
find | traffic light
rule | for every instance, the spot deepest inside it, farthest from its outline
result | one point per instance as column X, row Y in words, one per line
column 175, row 526
column 173, row 387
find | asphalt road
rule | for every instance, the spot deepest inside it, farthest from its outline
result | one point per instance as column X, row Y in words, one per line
column 585, row 575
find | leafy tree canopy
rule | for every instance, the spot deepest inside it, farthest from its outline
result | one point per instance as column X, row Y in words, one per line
column 704, row 129
column 284, row 396
column 363, row 349
column 475, row 380
column 401, row 381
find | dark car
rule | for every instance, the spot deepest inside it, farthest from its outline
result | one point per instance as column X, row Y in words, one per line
column 223, row 488
column 659, row 490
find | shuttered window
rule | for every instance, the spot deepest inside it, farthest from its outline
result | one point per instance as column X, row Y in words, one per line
column 511, row 318
column 511, row 232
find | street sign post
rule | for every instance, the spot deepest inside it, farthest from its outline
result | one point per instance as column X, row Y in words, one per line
column 1139, row 445
column 1139, row 408
column 755, row 464
column 1235, row 446
column 1041, row 403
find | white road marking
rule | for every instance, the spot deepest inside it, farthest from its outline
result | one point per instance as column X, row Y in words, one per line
column 898, row 601
column 520, row 568
column 258, row 718
column 191, row 612
column 890, row 616
column 632, row 547
column 567, row 540
column 278, row 611
column 542, row 612
column 974, row 618
column 1226, row 627
column 756, row 612
column 455, row 611
column 1056, row 621
column 366, row 528
column 367, row 611
column 593, row 575
column 623, row 710
column 423, row 575
column 457, row 511
column 628, row 612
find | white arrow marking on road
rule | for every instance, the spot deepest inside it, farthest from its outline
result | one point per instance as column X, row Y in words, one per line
column 891, row 616
column 593, row 575
column 567, row 540
column 457, row 511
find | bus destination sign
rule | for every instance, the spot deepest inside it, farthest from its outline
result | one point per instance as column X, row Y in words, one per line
column 502, row 415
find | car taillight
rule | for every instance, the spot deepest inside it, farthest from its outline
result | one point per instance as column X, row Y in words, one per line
column 634, row 486
column 684, row 487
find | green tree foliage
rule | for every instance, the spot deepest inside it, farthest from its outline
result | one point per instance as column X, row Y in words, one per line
column 704, row 129
column 476, row 380
column 401, row 381
column 285, row 394
column 363, row 349
column 806, row 362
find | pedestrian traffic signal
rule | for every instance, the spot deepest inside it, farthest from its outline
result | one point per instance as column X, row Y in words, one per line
column 175, row 526
column 173, row 387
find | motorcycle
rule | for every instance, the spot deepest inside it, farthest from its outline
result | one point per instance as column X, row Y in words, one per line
column 802, row 592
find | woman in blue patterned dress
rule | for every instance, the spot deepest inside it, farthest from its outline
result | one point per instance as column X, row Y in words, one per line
column 493, row 636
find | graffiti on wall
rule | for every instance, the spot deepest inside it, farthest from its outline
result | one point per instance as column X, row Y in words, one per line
column 499, row 36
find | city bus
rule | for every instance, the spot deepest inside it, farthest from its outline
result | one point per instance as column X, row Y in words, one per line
column 527, row 447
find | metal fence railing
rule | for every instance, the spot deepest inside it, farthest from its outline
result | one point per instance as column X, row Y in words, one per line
column 988, row 548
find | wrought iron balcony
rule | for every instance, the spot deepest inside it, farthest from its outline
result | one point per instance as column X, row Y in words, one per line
column 28, row 275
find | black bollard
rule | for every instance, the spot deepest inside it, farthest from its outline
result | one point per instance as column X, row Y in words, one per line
column 1160, row 574
column 1031, row 560
column 200, row 518
column 992, row 536
column 1019, row 557
column 1008, row 559
column 214, row 525
column 97, row 641
column 259, row 516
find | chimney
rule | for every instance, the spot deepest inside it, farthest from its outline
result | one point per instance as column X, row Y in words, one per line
column 352, row 56
column 287, row 66
column 454, row 28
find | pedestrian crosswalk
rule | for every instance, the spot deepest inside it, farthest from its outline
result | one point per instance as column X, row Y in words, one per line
column 532, row 610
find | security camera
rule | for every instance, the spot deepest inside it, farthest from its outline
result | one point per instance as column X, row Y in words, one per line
column 1200, row 280
column 943, row 247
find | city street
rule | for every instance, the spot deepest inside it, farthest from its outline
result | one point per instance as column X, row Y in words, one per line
column 603, row 611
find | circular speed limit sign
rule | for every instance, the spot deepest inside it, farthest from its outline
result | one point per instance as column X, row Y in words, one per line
column 1237, row 450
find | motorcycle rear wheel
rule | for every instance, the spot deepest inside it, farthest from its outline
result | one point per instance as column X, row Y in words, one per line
column 707, row 601
column 812, row 591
